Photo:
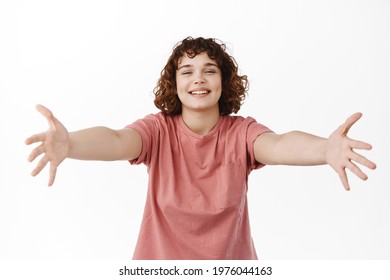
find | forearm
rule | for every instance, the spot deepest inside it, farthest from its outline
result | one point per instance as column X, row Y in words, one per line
column 292, row 148
column 95, row 143
column 300, row 148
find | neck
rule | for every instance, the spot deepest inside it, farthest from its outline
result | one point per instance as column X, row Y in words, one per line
column 200, row 122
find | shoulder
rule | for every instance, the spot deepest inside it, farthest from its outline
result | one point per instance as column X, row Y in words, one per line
column 158, row 119
column 239, row 121
column 247, row 126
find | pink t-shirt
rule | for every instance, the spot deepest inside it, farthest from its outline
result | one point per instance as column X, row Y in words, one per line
column 196, row 206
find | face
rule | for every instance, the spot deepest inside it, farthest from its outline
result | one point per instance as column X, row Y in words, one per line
column 199, row 83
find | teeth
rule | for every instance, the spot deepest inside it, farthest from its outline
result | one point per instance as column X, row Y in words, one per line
column 199, row 92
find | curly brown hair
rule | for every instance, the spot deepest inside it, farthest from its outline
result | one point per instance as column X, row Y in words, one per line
column 234, row 86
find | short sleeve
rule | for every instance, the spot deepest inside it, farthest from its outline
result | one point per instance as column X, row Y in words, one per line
column 148, row 128
column 254, row 129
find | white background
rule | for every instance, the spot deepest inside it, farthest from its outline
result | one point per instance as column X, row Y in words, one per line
column 311, row 64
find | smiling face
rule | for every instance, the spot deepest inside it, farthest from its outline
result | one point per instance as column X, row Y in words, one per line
column 199, row 83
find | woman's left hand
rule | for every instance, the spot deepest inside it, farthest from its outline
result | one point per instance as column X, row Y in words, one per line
column 340, row 152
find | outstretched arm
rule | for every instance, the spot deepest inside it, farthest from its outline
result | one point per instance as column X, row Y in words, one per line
column 300, row 148
column 96, row 143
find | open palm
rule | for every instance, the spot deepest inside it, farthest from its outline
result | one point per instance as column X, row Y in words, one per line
column 340, row 152
column 54, row 145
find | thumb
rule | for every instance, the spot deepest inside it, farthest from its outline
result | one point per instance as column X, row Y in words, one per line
column 350, row 122
column 48, row 115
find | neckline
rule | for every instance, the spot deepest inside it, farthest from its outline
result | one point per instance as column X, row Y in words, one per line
column 188, row 131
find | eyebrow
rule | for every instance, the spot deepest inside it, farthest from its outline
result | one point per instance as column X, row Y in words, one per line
column 191, row 65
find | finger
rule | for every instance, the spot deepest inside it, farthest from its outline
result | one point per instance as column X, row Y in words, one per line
column 355, row 144
column 349, row 122
column 35, row 153
column 362, row 160
column 41, row 164
column 356, row 170
column 53, row 172
column 344, row 179
column 35, row 138
column 47, row 114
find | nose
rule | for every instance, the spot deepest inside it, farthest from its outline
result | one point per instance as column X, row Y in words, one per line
column 199, row 79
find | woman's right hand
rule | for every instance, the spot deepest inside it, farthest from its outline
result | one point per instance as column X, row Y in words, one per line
column 55, row 145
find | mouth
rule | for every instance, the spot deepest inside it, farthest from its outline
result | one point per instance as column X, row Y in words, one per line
column 199, row 92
